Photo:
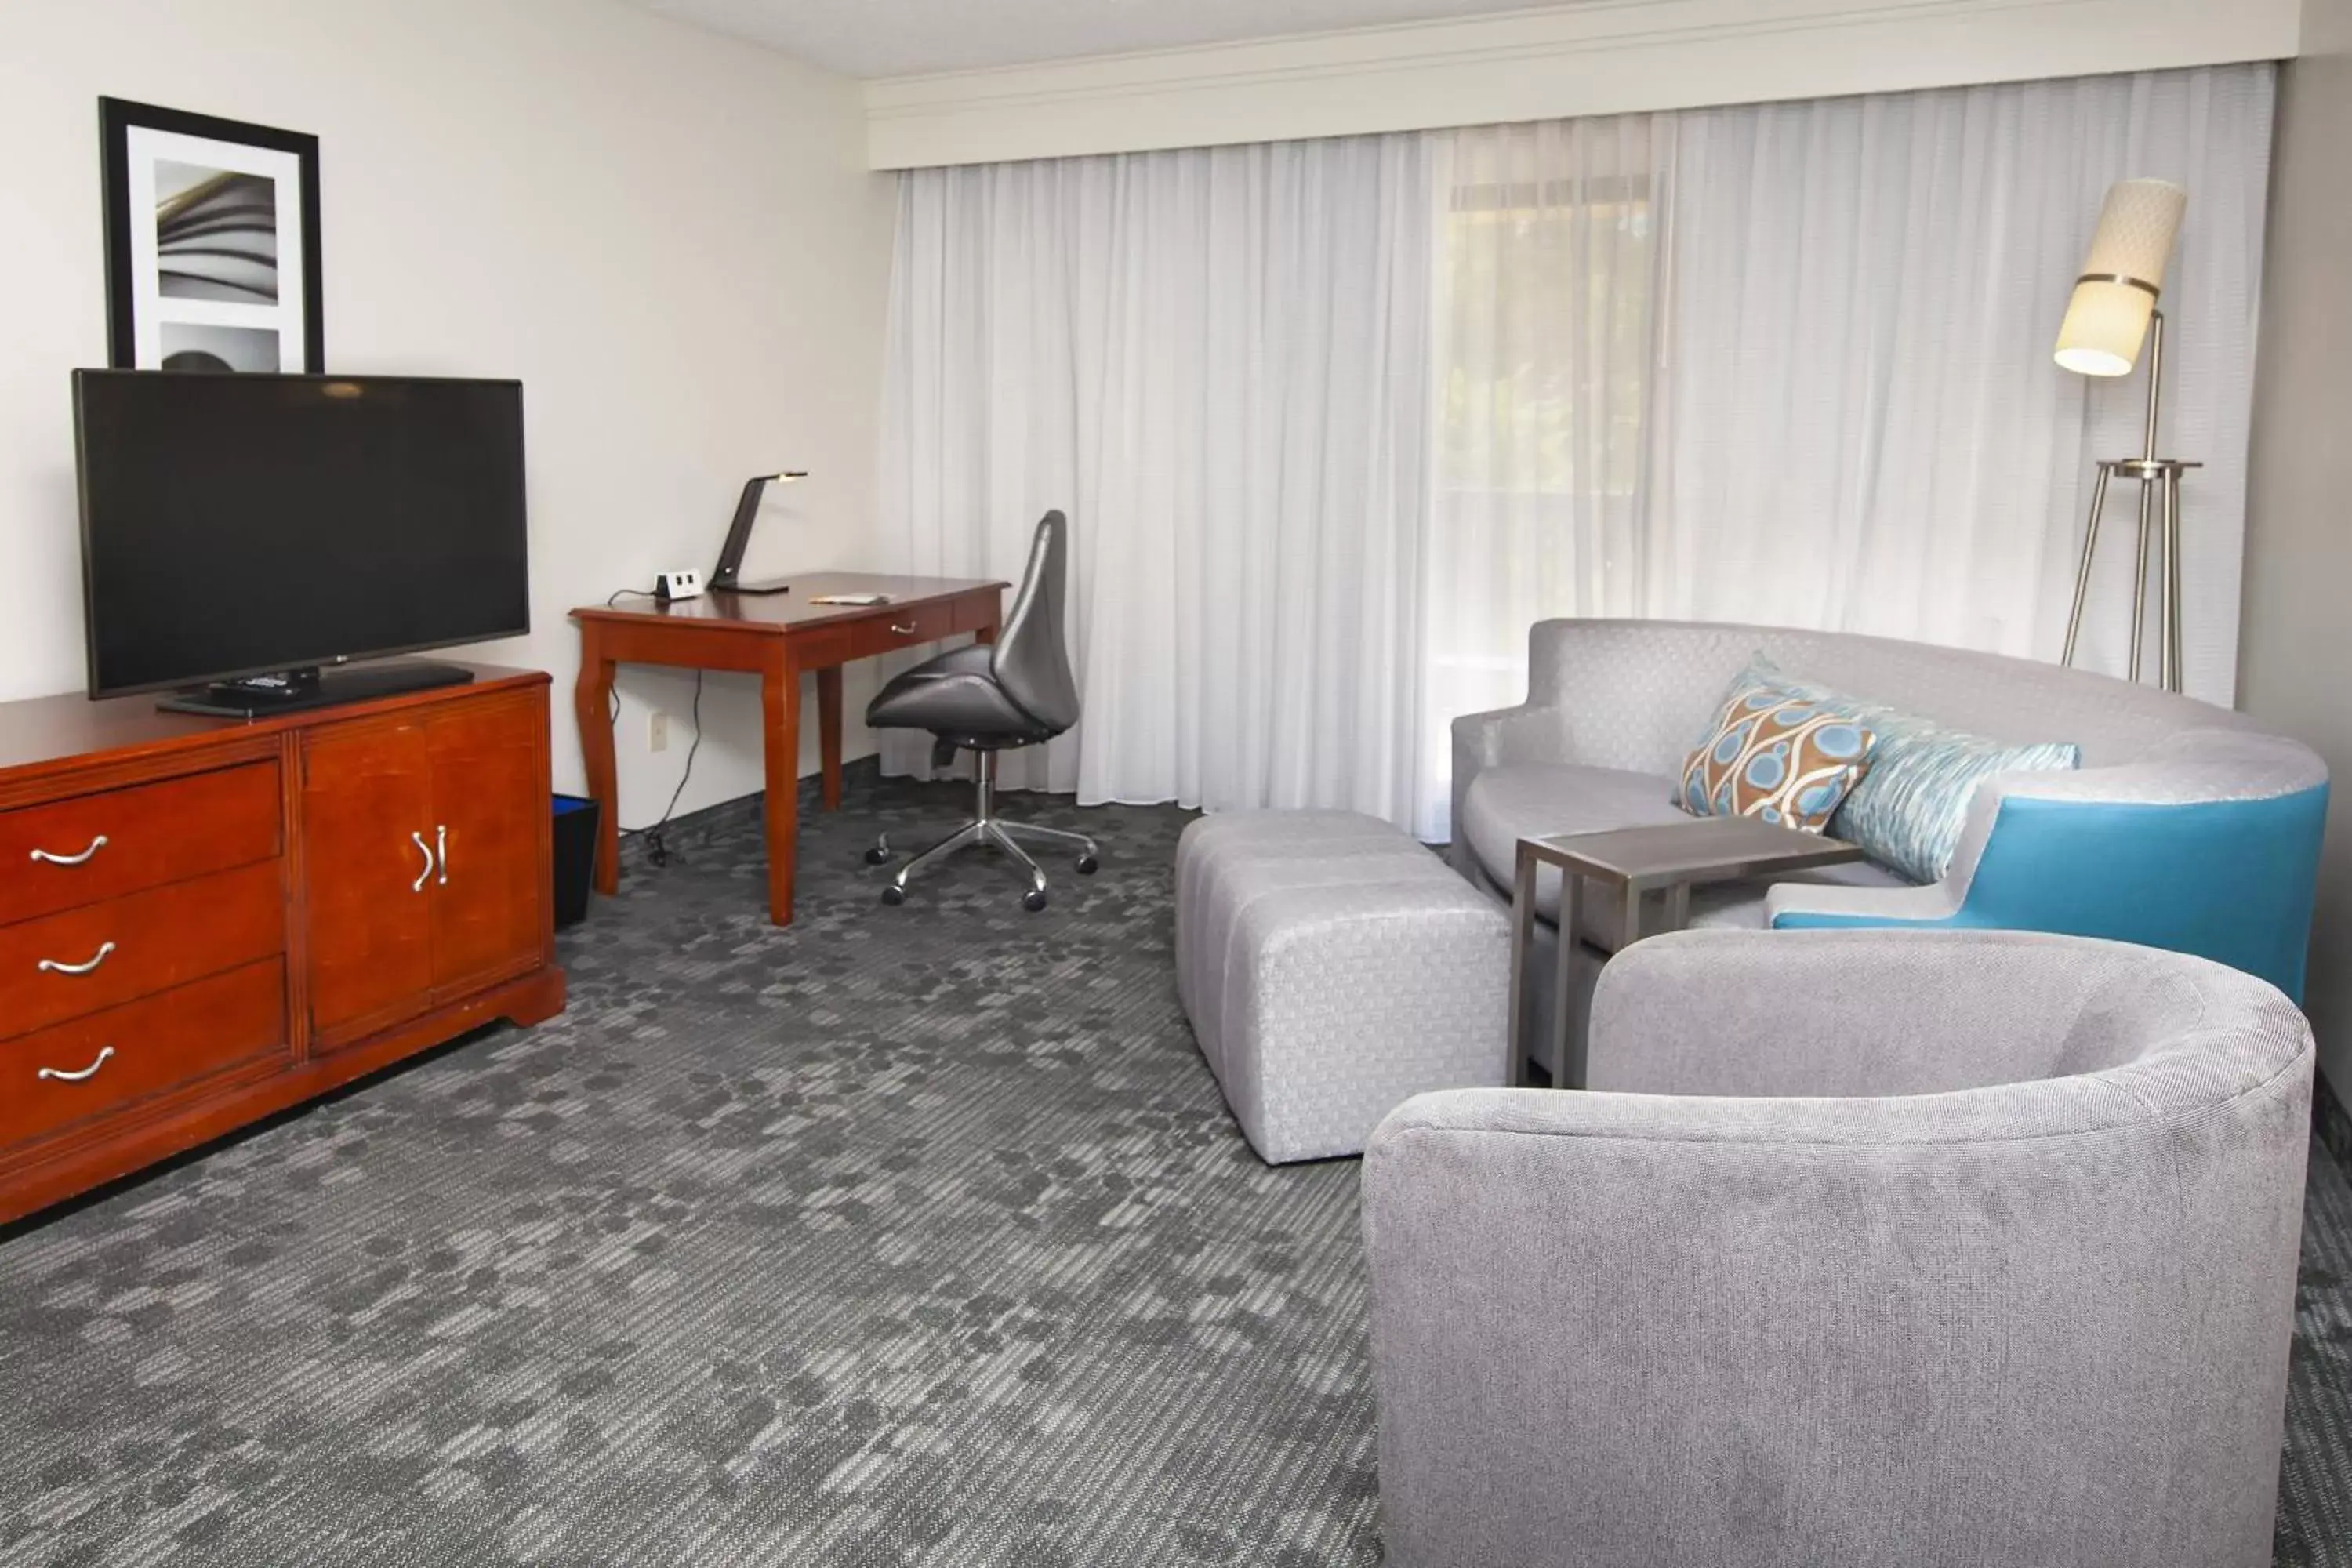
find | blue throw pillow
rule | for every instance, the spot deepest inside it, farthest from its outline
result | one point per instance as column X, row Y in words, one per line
column 1908, row 811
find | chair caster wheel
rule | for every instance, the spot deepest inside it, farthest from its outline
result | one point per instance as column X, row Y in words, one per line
column 894, row 895
column 1089, row 865
column 878, row 856
column 1034, row 900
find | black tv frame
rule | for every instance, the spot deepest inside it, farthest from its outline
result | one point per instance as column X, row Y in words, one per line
column 248, row 693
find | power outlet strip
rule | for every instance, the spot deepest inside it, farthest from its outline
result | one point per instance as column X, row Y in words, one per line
column 678, row 586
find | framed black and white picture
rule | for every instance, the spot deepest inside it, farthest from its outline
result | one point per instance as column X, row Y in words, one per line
column 212, row 243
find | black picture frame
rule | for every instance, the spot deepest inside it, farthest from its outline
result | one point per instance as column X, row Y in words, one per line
column 116, row 118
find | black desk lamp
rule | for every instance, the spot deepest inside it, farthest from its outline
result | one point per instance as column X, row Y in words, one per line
column 738, row 537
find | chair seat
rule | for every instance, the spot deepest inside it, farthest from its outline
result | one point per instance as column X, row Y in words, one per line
column 1525, row 800
column 957, row 697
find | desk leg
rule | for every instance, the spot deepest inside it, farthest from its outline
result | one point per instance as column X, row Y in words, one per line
column 592, row 702
column 780, row 706
column 828, row 731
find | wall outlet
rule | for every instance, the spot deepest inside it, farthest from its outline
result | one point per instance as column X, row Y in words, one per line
column 656, row 730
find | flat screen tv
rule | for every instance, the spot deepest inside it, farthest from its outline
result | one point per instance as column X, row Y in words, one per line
column 242, row 534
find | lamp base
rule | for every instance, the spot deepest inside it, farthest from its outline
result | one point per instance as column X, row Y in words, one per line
column 2159, row 515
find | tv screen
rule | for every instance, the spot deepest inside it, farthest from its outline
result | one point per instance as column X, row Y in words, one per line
column 235, row 525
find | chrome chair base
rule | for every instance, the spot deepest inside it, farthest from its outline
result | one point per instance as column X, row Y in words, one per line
column 987, row 827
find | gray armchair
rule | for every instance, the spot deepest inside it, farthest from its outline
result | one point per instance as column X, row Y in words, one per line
column 1868, row 1247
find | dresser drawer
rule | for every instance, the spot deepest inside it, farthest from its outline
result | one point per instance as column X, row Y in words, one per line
column 112, row 1061
column 97, row 847
column 101, row 955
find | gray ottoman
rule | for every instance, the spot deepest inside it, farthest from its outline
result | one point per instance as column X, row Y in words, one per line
column 1333, row 969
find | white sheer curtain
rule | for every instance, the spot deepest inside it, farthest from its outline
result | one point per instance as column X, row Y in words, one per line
column 1868, row 433
column 1215, row 362
column 1335, row 421
column 1551, row 261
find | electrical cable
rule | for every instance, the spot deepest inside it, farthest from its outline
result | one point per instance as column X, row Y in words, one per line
column 657, row 849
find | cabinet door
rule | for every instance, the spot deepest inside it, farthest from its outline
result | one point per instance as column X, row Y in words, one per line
column 367, row 811
column 492, row 823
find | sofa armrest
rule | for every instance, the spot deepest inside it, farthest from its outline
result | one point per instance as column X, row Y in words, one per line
column 1611, row 1328
column 2209, row 845
column 1496, row 739
column 1505, row 736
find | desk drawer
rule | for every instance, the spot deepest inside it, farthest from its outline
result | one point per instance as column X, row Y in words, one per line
column 92, row 848
column 102, row 955
column 909, row 628
column 112, row 1061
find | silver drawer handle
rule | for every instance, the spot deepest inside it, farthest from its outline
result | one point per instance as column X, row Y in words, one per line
column 425, row 875
column 441, row 853
column 105, row 1053
column 51, row 966
column 906, row 631
column 96, row 845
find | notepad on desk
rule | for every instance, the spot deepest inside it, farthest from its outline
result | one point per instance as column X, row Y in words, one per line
column 851, row 599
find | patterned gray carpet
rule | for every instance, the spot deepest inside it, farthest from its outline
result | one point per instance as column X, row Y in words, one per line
column 911, row 1235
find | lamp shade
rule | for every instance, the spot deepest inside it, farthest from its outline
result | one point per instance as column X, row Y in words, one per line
column 2107, row 321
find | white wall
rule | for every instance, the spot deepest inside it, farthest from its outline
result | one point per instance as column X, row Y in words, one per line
column 2296, row 646
column 669, row 236
column 1553, row 63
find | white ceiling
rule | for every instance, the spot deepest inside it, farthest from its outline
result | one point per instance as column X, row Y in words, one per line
column 899, row 37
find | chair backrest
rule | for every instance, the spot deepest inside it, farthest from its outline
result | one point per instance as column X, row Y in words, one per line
column 1031, row 664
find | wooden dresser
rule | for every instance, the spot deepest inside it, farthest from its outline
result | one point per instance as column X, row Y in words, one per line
column 203, row 922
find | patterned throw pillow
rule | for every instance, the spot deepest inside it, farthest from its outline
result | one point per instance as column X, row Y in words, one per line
column 1908, row 813
column 1777, row 756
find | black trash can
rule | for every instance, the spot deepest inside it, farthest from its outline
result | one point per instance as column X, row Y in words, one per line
column 575, row 858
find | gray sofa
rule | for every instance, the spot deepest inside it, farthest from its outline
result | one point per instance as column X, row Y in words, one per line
column 1968, row 1248
column 2187, row 827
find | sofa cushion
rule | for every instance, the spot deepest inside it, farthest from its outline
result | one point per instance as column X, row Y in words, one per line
column 1527, row 800
column 1740, row 906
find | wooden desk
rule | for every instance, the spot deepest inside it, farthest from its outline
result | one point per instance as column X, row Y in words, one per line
column 775, row 636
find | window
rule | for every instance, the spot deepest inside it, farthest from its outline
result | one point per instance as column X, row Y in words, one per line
column 1545, row 306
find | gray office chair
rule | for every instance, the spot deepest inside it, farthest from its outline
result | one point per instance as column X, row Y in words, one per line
column 989, row 698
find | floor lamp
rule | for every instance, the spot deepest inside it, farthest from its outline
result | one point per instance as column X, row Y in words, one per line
column 2113, row 312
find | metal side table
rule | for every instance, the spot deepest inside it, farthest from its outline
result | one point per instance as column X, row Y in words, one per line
column 1666, row 858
